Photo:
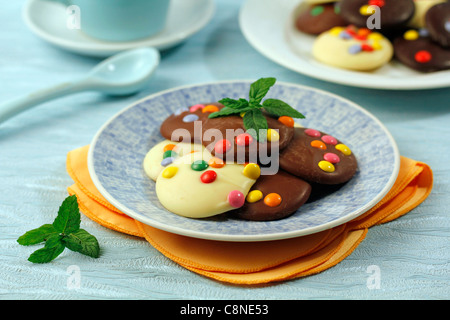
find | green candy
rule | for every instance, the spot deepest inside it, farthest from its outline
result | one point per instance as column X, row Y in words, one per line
column 199, row 165
column 169, row 153
column 317, row 10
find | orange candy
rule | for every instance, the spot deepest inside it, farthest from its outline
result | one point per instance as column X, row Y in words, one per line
column 210, row 108
column 318, row 144
column 272, row 200
column 168, row 147
column 287, row 121
column 216, row 163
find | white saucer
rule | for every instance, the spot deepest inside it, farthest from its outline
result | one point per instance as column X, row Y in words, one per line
column 268, row 26
column 48, row 19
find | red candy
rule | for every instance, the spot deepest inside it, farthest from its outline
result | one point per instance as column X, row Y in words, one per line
column 244, row 139
column 366, row 47
column 222, row 146
column 208, row 176
column 329, row 140
column 312, row 133
column 422, row 56
column 379, row 3
column 331, row 157
column 236, row 199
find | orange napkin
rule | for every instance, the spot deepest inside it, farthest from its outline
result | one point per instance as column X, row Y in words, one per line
column 255, row 262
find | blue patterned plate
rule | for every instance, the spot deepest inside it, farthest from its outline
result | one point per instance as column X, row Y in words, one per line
column 118, row 150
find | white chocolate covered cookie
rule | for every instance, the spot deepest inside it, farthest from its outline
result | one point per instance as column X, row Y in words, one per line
column 353, row 48
column 164, row 153
column 199, row 185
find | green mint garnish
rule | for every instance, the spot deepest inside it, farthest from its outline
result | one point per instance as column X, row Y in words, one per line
column 63, row 233
column 254, row 119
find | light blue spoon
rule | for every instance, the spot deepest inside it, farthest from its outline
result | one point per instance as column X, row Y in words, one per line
column 122, row 74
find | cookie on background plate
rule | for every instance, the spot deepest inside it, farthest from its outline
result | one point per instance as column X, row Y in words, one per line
column 353, row 48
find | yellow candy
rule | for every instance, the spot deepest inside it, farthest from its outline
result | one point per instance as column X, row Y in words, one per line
column 326, row 166
column 344, row 149
column 252, row 171
column 169, row 172
column 254, row 196
column 272, row 135
column 365, row 11
column 411, row 35
column 336, row 30
column 376, row 45
column 375, row 36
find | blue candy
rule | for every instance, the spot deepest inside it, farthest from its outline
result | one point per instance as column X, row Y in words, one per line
column 190, row 118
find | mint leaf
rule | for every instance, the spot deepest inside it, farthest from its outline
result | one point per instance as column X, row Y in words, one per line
column 280, row 108
column 254, row 121
column 37, row 235
column 259, row 89
column 83, row 242
column 226, row 111
column 234, row 104
column 53, row 248
column 68, row 219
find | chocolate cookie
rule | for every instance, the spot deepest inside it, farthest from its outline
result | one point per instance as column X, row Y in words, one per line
column 393, row 13
column 421, row 53
column 274, row 197
column 318, row 158
column 226, row 138
column 437, row 21
column 319, row 18
column 179, row 127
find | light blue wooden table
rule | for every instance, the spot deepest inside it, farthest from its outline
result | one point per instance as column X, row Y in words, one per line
column 412, row 253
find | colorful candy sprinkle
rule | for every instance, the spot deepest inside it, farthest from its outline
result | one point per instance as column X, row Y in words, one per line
column 378, row 3
column 329, row 140
column 375, row 36
column 210, row 108
column 326, row 166
column 331, row 157
column 366, row 47
column 422, row 56
column 168, row 147
column 336, row 31
column 317, row 10
column 244, row 139
column 318, row 144
column 169, row 172
column 272, row 200
column 354, row 49
column 190, row 118
column 411, row 35
column 216, row 163
column 236, row 199
column 366, row 10
column 165, row 162
column 287, row 121
column 208, row 176
column 376, row 45
column 169, row 153
column 273, row 135
column 180, row 111
column 196, row 107
column 345, row 35
column 344, row 149
column 222, row 146
column 252, row 171
column 312, row 133
column 254, row 196
column 199, row 165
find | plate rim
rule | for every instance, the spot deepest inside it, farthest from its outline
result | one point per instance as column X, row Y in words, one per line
column 107, row 48
column 391, row 84
column 243, row 238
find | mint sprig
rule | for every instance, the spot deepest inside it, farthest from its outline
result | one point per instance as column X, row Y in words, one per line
column 254, row 119
column 63, row 233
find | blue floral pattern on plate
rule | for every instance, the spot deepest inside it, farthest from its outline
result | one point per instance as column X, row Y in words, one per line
column 118, row 149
